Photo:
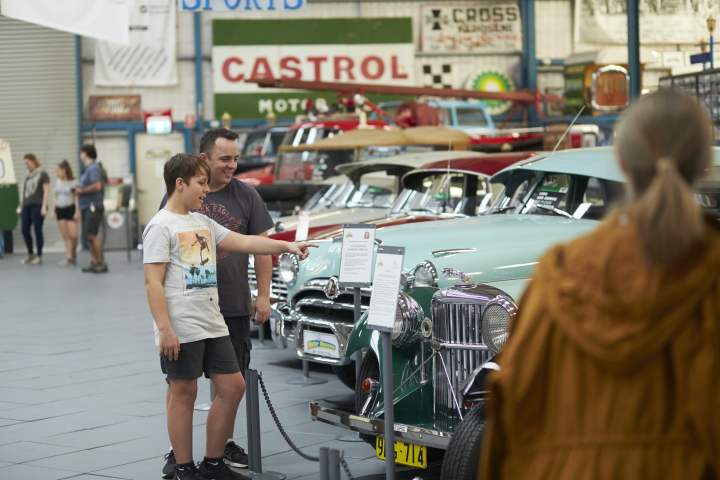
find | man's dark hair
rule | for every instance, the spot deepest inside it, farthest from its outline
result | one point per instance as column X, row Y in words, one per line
column 185, row 166
column 89, row 151
column 207, row 142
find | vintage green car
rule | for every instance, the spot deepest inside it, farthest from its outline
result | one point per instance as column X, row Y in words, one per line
column 460, row 289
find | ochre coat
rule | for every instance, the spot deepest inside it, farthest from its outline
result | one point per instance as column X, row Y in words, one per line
column 612, row 369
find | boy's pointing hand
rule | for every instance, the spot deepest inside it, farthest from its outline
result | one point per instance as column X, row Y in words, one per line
column 301, row 249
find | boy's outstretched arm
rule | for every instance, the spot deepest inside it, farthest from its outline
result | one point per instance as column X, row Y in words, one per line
column 154, row 278
column 235, row 242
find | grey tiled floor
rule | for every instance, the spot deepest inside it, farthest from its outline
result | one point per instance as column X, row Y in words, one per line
column 82, row 397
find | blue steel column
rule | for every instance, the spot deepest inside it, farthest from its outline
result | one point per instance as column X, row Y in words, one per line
column 633, row 25
column 199, row 102
column 79, row 95
column 529, row 58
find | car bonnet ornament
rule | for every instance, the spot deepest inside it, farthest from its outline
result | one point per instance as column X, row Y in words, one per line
column 332, row 288
column 455, row 274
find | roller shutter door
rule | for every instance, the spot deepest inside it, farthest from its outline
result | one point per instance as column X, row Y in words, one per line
column 38, row 101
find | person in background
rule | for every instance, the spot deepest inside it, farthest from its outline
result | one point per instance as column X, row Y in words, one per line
column 67, row 212
column 239, row 208
column 33, row 209
column 611, row 368
column 90, row 192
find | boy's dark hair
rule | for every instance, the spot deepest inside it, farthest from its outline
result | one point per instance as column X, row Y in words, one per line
column 89, row 151
column 185, row 166
column 207, row 142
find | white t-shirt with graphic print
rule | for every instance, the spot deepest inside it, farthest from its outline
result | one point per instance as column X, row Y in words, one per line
column 188, row 245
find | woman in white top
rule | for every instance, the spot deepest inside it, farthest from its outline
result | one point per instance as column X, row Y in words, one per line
column 66, row 211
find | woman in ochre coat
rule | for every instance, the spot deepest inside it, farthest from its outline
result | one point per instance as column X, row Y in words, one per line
column 612, row 368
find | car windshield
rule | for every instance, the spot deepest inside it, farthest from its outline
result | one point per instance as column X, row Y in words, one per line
column 558, row 194
column 371, row 196
column 471, row 117
column 254, row 144
column 440, row 193
column 330, row 196
column 309, row 165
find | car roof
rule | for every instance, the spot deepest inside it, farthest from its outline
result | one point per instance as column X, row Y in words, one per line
column 412, row 160
column 487, row 164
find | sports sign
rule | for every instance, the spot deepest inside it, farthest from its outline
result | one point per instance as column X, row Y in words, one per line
column 373, row 50
column 240, row 5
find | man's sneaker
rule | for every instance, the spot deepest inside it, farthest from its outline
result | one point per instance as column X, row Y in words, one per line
column 89, row 269
column 100, row 268
column 188, row 472
column 35, row 260
column 168, row 470
column 27, row 260
column 217, row 470
column 235, row 455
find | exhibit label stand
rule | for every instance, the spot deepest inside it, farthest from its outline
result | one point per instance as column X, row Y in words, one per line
column 356, row 268
column 381, row 317
column 301, row 234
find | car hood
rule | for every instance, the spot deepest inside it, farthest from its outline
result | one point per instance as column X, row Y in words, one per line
column 334, row 217
column 490, row 248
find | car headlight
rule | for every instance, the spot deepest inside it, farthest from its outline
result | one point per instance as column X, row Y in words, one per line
column 496, row 320
column 424, row 275
column 288, row 267
column 408, row 317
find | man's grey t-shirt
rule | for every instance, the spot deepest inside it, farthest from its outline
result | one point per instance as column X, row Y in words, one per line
column 33, row 187
column 188, row 245
column 237, row 207
column 89, row 176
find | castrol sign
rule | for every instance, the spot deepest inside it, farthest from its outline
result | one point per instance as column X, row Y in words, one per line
column 376, row 50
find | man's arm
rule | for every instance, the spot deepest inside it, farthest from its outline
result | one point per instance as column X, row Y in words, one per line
column 263, row 272
column 92, row 188
column 235, row 242
column 154, row 279
column 46, row 195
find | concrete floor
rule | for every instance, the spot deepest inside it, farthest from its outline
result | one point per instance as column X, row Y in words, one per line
column 82, row 395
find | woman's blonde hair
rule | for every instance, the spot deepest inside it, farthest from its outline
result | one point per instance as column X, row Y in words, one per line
column 664, row 143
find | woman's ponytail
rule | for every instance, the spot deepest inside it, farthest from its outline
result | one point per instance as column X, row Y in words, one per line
column 664, row 144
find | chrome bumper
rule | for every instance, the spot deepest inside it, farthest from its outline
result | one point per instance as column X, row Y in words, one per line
column 341, row 331
column 407, row 433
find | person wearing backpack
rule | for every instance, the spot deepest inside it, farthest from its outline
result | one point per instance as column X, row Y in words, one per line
column 90, row 192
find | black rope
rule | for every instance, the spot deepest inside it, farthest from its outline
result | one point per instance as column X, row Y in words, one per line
column 346, row 468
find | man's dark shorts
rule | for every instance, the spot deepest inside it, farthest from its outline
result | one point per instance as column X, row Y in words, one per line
column 239, row 328
column 212, row 355
column 91, row 221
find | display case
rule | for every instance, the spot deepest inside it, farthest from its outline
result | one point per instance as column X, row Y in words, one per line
column 705, row 86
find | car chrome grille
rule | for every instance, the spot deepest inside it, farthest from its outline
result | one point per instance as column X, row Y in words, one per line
column 311, row 302
column 457, row 334
column 278, row 288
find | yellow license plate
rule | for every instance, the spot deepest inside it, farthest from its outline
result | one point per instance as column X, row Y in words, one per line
column 405, row 453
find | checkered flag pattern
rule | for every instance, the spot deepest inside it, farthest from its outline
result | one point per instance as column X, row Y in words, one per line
column 437, row 76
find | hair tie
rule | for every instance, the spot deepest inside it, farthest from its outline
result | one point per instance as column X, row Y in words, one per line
column 665, row 164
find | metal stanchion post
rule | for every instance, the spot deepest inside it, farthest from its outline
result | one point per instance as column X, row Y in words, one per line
column 252, row 403
column 324, row 463
column 357, row 299
column 386, row 338
column 306, row 379
column 334, row 464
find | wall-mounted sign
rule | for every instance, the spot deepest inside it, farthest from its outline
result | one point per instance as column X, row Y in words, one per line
column 472, row 27
column 149, row 59
column 492, row 82
column 369, row 50
column 240, row 5
column 119, row 108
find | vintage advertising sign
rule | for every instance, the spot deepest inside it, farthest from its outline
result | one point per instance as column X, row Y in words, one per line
column 661, row 22
column 372, row 50
column 119, row 108
column 149, row 59
column 471, row 27
column 386, row 287
column 240, row 5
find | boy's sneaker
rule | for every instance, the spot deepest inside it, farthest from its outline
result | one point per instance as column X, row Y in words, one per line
column 217, row 470
column 168, row 470
column 187, row 472
column 100, row 268
column 88, row 269
column 235, row 455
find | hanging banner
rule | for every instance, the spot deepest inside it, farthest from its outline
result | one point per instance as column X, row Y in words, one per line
column 240, row 5
column 360, row 50
column 661, row 22
column 471, row 27
column 101, row 19
column 149, row 59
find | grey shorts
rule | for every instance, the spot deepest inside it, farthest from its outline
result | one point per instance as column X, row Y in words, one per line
column 239, row 328
column 212, row 355
column 92, row 221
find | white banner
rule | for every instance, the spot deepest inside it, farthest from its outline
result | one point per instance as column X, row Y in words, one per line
column 7, row 170
column 149, row 59
column 101, row 19
column 661, row 21
column 378, row 63
column 471, row 27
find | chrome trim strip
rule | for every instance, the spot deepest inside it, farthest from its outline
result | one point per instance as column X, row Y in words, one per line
column 407, row 433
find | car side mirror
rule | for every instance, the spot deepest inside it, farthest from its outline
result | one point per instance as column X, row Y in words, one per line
column 610, row 90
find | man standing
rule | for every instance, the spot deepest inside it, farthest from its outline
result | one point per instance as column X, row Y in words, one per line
column 90, row 192
column 238, row 207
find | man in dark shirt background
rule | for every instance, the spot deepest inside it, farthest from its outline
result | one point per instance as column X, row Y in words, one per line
column 238, row 207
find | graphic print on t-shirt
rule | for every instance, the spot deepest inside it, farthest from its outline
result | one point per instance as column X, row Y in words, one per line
column 197, row 254
column 222, row 215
